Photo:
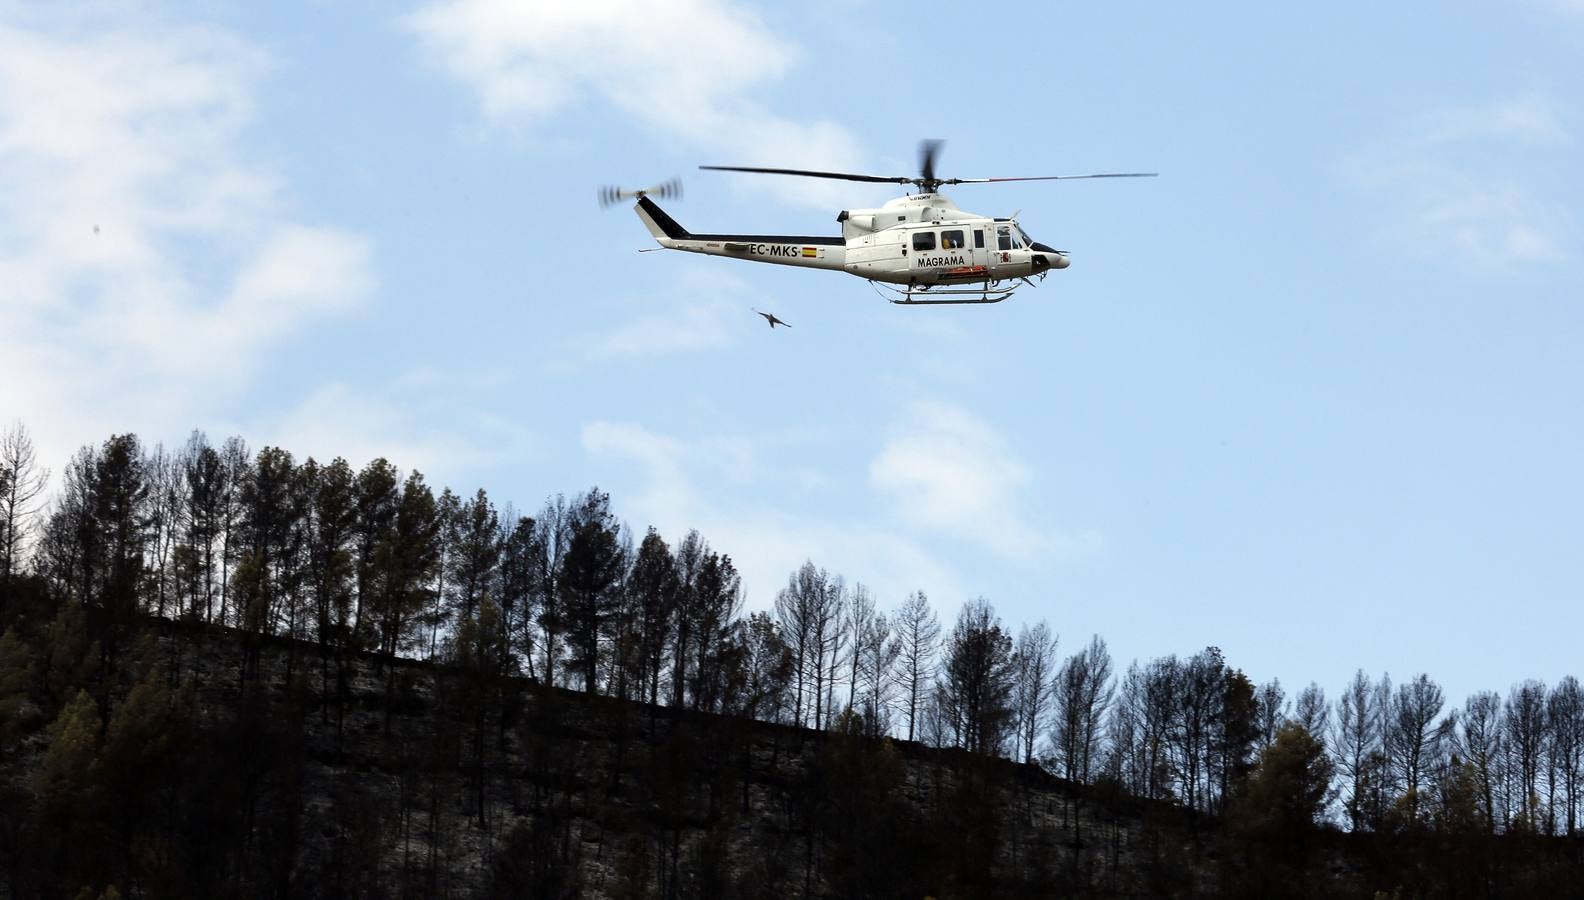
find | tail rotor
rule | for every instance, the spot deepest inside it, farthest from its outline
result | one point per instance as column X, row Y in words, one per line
column 610, row 195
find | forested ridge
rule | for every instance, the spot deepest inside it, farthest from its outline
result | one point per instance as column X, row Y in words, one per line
column 227, row 672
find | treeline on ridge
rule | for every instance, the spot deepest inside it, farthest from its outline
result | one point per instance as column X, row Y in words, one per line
column 373, row 560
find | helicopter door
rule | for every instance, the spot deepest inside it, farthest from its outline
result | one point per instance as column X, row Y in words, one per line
column 962, row 248
column 1004, row 240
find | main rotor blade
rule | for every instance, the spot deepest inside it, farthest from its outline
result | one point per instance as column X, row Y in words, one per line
column 1053, row 177
column 844, row 176
column 927, row 152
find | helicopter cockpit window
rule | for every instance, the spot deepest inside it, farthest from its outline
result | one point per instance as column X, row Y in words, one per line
column 952, row 240
column 1003, row 237
column 924, row 240
column 978, row 238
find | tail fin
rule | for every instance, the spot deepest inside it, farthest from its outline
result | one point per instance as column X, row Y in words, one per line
column 659, row 223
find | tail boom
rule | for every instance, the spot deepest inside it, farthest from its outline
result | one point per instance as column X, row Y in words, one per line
column 787, row 250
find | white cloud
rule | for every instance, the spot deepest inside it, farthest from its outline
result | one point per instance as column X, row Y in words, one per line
column 766, row 544
column 413, row 422
column 1528, row 119
column 943, row 476
column 694, row 326
column 1465, row 183
column 950, row 472
column 1564, row 7
column 706, row 72
column 704, row 309
column 669, row 492
column 146, row 262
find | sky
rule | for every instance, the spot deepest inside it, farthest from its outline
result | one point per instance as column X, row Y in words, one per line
column 1311, row 396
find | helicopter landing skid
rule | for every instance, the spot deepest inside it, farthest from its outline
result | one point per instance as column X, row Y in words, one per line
column 989, row 292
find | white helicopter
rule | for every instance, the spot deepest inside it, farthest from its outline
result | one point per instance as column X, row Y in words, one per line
column 921, row 249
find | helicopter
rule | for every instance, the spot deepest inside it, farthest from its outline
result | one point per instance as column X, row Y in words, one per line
column 919, row 249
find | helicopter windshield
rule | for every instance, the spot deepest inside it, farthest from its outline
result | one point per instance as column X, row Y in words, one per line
column 1012, row 236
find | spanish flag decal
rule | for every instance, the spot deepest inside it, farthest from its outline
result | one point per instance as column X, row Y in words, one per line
column 810, row 252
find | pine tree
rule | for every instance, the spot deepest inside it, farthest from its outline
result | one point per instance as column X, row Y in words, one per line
column 206, row 485
column 234, row 462
column 1286, row 793
column 1480, row 745
column 22, row 482
column 719, row 601
column 516, row 587
column 829, row 637
column 474, row 556
column 812, row 611
column 140, row 741
column 1525, row 727
column 1356, row 736
column 1412, row 741
column 689, row 558
column 653, row 583
column 71, row 660
column 976, row 685
column 1033, row 658
column 1272, row 710
column 1156, row 694
column 165, row 503
column 68, row 551
column 1312, row 712
column 1199, row 695
column 119, row 488
column 860, row 619
column 408, row 559
column 67, row 781
column 1082, row 692
column 1455, row 811
column 551, row 535
column 878, row 649
column 1565, row 711
column 590, row 571
column 378, row 495
column 449, row 510
column 794, row 609
column 267, row 517
column 767, row 662
column 330, row 558
column 17, row 710
column 1237, row 735
column 918, row 637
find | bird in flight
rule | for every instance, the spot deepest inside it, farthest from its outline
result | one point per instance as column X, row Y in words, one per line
column 769, row 317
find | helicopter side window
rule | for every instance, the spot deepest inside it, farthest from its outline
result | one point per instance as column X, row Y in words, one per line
column 978, row 238
column 1003, row 237
column 924, row 240
column 952, row 240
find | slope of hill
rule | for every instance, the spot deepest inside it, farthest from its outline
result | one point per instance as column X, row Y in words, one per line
column 163, row 759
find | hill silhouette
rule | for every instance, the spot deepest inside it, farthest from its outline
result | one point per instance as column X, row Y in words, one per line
column 233, row 674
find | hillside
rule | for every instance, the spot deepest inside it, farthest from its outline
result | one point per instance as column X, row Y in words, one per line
column 206, row 762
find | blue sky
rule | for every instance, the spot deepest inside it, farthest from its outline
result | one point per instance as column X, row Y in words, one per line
column 1311, row 396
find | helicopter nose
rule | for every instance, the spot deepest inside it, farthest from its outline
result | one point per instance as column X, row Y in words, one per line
column 1048, row 258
